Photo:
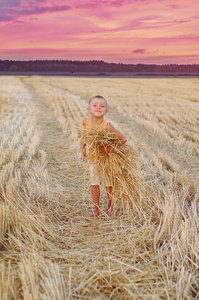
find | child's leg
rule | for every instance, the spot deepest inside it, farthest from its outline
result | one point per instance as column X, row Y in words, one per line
column 95, row 190
column 109, row 190
column 96, row 195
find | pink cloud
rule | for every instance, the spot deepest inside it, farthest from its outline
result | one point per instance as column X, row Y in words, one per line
column 173, row 6
column 144, row 51
column 12, row 10
column 182, row 21
column 140, row 51
column 107, row 3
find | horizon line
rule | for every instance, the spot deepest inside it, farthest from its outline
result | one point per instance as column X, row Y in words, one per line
column 100, row 60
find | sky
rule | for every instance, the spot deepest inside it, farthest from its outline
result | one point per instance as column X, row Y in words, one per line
column 125, row 31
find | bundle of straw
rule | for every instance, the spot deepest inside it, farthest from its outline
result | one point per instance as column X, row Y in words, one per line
column 119, row 167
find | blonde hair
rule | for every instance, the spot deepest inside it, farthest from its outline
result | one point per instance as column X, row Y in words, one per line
column 99, row 97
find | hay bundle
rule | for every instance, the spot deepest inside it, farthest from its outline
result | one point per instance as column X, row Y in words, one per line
column 118, row 167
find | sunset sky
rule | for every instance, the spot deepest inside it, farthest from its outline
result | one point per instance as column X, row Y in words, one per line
column 128, row 31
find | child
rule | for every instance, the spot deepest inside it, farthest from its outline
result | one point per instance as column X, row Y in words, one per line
column 97, row 108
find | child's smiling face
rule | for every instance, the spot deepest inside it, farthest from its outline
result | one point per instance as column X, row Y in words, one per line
column 97, row 108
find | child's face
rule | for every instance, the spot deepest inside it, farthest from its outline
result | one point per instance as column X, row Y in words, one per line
column 97, row 108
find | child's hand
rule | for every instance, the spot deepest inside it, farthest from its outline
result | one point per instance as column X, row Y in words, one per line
column 85, row 155
column 105, row 151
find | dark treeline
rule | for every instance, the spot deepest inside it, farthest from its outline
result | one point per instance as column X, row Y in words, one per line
column 99, row 66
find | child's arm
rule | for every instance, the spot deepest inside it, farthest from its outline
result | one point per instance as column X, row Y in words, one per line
column 121, row 137
column 84, row 153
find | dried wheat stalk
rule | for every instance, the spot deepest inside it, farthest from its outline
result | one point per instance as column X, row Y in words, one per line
column 118, row 167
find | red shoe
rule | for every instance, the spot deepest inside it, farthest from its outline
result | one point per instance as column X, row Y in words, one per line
column 109, row 211
column 95, row 213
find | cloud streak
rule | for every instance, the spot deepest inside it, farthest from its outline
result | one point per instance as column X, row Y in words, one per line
column 14, row 9
column 140, row 51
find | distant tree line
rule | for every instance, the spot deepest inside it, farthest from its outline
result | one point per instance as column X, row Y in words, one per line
column 98, row 66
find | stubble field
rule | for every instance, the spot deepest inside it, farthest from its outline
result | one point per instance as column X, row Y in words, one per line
column 50, row 247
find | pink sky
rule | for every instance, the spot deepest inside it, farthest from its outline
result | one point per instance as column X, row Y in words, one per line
column 128, row 31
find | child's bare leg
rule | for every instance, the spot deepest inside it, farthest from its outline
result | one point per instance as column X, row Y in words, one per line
column 96, row 195
column 109, row 191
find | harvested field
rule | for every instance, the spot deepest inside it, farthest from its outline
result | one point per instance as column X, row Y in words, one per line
column 50, row 247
